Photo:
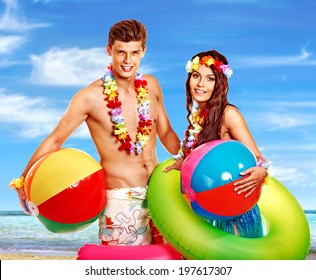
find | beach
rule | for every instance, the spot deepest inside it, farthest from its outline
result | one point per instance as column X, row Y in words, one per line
column 34, row 257
column 24, row 238
column 310, row 256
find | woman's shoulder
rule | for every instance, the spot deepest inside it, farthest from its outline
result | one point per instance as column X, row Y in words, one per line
column 232, row 115
column 231, row 111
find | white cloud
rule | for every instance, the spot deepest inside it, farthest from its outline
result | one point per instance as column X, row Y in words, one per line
column 31, row 117
column 269, row 61
column 43, row 1
column 296, row 177
column 283, row 114
column 13, row 20
column 69, row 66
column 295, row 104
column 10, row 43
column 14, row 28
column 297, row 147
column 249, row 3
column 274, row 121
column 281, row 121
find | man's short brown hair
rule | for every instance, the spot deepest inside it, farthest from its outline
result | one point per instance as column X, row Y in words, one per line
column 127, row 31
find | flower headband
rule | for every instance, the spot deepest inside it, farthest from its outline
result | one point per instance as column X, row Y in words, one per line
column 208, row 61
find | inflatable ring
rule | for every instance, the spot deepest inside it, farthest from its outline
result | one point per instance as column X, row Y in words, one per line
column 146, row 252
column 287, row 231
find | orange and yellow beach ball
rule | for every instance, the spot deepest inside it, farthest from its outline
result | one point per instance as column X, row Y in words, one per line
column 66, row 190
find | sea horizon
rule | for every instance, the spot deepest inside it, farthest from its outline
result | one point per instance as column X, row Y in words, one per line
column 24, row 234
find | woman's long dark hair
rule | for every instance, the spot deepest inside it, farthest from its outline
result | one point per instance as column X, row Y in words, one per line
column 215, row 105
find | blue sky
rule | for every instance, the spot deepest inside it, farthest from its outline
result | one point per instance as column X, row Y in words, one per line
column 49, row 49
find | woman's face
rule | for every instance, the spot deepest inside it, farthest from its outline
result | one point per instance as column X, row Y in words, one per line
column 202, row 83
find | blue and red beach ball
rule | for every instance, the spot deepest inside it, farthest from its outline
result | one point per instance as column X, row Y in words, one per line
column 208, row 175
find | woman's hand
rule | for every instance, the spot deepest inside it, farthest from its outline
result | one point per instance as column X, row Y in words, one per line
column 176, row 165
column 254, row 177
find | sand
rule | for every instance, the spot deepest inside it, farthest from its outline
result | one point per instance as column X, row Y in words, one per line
column 310, row 256
column 34, row 257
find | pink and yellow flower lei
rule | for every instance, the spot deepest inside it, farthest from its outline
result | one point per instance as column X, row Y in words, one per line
column 208, row 61
column 143, row 109
column 197, row 119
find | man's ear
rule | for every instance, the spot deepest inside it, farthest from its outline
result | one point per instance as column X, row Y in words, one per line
column 108, row 50
column 144, row 51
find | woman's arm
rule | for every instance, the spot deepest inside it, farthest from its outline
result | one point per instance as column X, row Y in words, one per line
column 238, row 130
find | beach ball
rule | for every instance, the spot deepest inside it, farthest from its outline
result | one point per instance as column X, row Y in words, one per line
column 66, row 190
column 208, row 175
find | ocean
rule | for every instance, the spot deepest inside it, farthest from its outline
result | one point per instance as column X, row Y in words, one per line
column 21, row 233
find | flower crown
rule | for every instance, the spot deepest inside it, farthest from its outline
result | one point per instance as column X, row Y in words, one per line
column 208, row 61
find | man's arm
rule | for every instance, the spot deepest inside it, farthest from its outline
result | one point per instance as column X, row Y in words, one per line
column 75, row 115
column 165, row 132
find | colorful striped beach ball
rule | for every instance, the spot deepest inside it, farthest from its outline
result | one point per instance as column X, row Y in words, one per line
column 66, row 190
column 208, row 175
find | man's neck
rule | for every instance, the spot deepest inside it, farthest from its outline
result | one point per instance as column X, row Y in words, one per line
column 123, row 82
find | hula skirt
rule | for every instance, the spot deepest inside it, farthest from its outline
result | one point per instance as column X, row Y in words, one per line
column 248, row 225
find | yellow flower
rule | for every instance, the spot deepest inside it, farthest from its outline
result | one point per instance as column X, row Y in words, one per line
column 119, row 125
column 17, row 183
column 112, row 95
column 142, row 94
column 210, row 61
column 196, row 60
column 142, row 138
column 120, row 131
column 122, row 136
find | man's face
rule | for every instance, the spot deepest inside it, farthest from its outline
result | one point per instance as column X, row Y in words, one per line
column 126, row 57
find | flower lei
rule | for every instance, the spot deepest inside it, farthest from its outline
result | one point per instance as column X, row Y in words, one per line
column 208, row 61
column 197, row 120
column 143, row 109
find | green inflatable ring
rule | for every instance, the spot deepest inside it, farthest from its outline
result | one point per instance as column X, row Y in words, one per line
column 287, row 231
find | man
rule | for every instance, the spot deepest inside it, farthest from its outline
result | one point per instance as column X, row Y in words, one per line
column 124, row 113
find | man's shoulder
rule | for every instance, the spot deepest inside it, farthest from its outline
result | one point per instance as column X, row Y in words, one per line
column 95, row 86
column 150, row 78
column 97, row 83
column 92, row 89
column 152, row 81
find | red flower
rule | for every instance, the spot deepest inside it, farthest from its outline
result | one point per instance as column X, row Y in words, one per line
column 126, row 146
column 140, row 83
column 115, row 103
column 217, row 65
column 145, row 123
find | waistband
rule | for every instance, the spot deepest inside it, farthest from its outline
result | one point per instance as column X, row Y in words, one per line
column 127, row 193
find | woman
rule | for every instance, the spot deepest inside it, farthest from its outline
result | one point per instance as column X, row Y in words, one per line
column 212, row 117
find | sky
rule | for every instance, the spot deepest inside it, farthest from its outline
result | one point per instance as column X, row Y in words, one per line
column 49, row 49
